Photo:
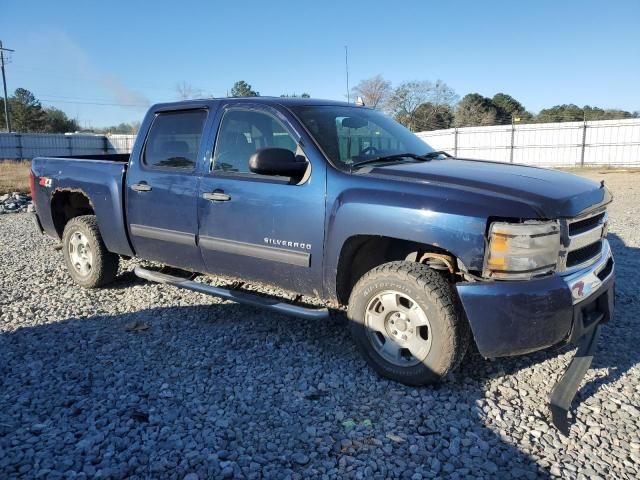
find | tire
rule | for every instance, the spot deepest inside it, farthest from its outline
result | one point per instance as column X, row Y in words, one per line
column 382, row 308
column 88, row 261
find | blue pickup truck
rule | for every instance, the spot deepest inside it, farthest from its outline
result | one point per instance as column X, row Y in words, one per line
column 426, row 252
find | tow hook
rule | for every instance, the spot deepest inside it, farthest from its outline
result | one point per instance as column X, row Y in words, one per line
column 565, row 390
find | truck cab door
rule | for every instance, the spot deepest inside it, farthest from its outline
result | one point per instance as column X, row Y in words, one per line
column 257, row 227
column 162, row 189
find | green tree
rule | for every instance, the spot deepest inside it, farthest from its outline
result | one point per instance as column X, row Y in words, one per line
column 561, row 113
column 508, row 108
column 474, row 110
column 27, row 114
column 3, row 123
column 429, row 116
column 58, row 122
column 573, row 113
column 243, row 89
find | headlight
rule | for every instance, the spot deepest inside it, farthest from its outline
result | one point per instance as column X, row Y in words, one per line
column 520, row 251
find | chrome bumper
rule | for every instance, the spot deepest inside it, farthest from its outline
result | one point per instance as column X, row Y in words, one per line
column 584, row 283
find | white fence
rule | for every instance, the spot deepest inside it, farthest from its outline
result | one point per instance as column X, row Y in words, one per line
column 599, row 143
column 568, row 144
column 30, row 145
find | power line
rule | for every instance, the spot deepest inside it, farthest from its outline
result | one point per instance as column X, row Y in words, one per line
column 75, row 98
column 80, row 102
column 88, row 78
column 4, row 85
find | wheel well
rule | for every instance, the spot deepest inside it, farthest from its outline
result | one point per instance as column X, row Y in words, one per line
column 362, row 253
column 66, row 205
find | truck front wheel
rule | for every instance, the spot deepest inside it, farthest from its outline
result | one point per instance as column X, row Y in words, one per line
column 408, row 323
column 89, row 262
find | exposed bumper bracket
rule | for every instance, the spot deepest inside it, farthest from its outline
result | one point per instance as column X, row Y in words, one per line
column 565, row 390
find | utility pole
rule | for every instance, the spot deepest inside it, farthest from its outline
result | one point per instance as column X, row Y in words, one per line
column 346, row 67
column 4, row 85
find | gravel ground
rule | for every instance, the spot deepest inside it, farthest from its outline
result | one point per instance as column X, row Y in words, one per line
column 141, row 380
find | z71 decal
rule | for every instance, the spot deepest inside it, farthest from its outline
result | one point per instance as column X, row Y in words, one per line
column 45, row 182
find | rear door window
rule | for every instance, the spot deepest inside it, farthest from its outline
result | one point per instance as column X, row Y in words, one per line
column 174, row 140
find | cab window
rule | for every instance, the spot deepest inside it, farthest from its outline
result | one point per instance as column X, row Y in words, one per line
column 241, row 133
column 174, row 139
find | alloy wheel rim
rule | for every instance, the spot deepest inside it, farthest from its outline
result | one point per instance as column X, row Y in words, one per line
column 398, row 328
column 80, row 253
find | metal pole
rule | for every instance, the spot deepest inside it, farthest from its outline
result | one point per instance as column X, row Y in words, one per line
column 346, row 67
column 4, row 85
column 20, row 146
column 513, row 134
column 584, row 142
column 455, row 142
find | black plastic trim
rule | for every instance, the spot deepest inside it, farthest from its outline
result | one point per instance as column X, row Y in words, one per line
column 163, row 234
column 291, row 257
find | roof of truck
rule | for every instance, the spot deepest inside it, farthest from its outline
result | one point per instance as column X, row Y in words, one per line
column 287, row 101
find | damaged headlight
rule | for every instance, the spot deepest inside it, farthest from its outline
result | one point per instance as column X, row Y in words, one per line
column 520, row 251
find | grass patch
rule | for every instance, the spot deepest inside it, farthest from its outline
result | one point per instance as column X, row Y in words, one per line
column 14, row 176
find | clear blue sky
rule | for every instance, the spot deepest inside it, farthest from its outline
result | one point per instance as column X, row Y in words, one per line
column 72, row 54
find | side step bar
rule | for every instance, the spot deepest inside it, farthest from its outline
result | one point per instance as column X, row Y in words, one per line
column 234, row 295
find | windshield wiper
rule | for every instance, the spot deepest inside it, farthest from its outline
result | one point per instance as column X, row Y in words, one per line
column 437, row 153
column 423, row 158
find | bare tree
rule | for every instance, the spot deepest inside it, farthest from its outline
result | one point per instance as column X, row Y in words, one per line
column 406, row 99
column 186, row 91
column 374, row 91
column 437, row 112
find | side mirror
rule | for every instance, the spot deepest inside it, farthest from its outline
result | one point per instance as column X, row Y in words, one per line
column 276, row 161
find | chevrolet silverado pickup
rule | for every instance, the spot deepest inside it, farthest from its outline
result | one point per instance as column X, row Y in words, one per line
column 331, row 200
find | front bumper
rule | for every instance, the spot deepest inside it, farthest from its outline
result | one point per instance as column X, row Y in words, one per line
column 517, row 317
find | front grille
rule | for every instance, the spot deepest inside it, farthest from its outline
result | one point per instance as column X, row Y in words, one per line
column 606, row 271
column 584, row 254
column 581, row 226
column 583, row 241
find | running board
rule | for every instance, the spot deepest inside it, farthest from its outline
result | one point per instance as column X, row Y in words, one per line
column 233, row 295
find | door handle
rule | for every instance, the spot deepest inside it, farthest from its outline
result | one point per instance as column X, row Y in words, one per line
column 141, row 187
column 216, row 196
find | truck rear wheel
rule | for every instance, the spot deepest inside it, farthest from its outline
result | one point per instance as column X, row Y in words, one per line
column 89, row 262
column 408, row 323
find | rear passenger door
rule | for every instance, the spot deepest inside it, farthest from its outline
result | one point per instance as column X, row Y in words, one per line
column 162, row 190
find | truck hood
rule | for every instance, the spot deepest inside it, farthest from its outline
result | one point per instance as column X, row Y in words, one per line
column 550, row 193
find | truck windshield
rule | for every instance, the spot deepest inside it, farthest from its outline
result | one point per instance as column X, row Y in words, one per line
column 350, row 135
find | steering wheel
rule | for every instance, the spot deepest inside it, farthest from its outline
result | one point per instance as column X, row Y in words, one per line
column 369, row 151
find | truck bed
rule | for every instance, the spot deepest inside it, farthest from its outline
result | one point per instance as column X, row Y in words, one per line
column 100, row 178
column 111, row 157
